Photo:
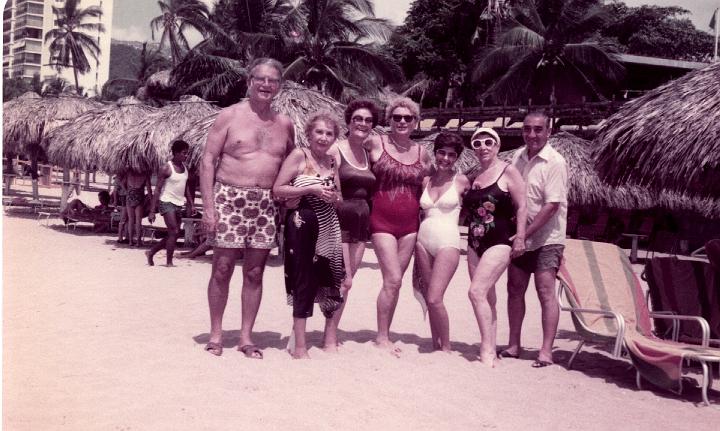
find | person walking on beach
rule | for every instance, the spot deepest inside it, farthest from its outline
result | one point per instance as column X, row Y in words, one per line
column 545, row 173
column 171, row 191
column 245, row 148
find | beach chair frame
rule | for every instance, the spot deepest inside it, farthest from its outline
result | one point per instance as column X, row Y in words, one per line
column 639, row 336
column 584, row 330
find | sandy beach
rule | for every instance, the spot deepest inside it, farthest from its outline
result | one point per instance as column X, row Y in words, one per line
column 94, row 339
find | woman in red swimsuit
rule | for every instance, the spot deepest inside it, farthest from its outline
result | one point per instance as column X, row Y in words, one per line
column 399, row 165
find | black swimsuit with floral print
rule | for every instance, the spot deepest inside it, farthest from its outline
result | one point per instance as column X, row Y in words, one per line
column 490, row 216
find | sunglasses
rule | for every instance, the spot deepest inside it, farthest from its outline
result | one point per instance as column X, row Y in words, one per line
column 359, row 119
column 476, row 144
column 397, row 118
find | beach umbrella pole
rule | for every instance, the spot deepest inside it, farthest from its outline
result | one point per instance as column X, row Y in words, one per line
column 34, row 168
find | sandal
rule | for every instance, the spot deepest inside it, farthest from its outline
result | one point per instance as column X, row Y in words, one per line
column 251, row 351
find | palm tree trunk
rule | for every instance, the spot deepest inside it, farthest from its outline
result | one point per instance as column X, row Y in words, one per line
column 77, row 85
column 34, row 175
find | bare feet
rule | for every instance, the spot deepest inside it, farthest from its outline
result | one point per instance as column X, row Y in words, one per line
column 300, row 353
column 331, row 348
column 389, row 347
column 169, row 264
column 487, row 360
column 149, row 256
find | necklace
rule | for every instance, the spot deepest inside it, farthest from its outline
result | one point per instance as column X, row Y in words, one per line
column 394, row 142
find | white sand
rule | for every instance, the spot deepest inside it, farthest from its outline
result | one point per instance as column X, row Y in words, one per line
column 96, row 340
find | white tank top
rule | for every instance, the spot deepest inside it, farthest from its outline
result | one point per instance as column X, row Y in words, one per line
column 174, row 188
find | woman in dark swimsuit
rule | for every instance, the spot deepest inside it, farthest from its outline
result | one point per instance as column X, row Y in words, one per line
column 496, row 216
column 314, row 268
column 399, row 165
column 357, row 183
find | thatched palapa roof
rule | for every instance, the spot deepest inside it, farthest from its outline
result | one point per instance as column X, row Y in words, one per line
column 83, row 142
column 27, row 120
column 146, row 146
column 667, row 139
column 586, row 188
column 295, row 101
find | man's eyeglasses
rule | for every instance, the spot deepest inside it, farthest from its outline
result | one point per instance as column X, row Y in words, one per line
column 359, row 120
column 265, row 80
column 408, row 118
column 476, row 144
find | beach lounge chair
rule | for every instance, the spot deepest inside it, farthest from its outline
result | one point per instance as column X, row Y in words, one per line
column 685, row 286
column 607, row 303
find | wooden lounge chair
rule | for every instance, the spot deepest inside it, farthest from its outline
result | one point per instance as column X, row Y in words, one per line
column 607, row 303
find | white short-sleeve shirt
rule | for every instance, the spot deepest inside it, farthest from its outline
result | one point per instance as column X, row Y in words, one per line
column 546, row 178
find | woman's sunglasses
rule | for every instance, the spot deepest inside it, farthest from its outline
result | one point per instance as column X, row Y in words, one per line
column 476, row 144
column 408, row 118
column 359, row 120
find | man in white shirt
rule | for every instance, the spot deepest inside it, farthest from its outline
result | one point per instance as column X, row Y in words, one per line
column 545, row 174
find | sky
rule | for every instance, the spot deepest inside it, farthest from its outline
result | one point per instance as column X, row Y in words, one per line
column 131, row 18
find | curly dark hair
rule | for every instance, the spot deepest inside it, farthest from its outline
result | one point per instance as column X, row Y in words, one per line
column 178, row 146
column 362, row 104
column 449, row 139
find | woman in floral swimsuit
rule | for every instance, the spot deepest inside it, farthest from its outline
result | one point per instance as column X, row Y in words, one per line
column 496, row 215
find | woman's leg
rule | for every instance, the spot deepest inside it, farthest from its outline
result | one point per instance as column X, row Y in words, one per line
column 443, row 269
column 130, row 224
column 122, row 224
column 393, row 256
column 300, row 351
column 424, row 264
column 352, row 257
column 138, row 224
column 485, row 272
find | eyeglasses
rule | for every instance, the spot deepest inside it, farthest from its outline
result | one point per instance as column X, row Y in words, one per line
column 397, row 118
column 476, row 144
column 265, row 80
column 359, row 120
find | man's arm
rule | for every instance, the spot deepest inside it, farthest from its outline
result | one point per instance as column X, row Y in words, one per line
column 213, row 148
column 162, row 175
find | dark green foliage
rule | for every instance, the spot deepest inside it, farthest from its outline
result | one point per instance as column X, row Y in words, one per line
column 657, row 31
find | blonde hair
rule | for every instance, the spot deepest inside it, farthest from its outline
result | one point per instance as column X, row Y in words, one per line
column 402, row 102
column 329, row 119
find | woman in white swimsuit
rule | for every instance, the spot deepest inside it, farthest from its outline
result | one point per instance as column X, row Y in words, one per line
column 437, row 250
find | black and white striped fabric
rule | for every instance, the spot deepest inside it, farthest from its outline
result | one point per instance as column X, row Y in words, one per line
column 327, row 246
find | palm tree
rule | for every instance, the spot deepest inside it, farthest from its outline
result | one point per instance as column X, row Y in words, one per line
column 69, row 40
column 176, row 17
column 333, row 53
column 240, row 31
column 547, row 54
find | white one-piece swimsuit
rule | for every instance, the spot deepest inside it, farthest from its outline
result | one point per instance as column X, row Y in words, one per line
column 439, row 228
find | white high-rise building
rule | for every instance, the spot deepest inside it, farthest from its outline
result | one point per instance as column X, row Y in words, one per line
column 25, row 52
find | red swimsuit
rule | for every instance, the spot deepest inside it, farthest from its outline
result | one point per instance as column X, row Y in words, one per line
column 396, row 201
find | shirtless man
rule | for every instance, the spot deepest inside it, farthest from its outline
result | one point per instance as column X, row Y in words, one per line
column 250, row 140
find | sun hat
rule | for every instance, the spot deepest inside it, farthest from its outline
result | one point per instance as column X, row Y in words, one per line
column 488, row 131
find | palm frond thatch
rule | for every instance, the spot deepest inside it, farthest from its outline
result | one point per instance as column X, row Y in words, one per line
column 146, row 146
column 295, row 101
column 667, row 139
column 586, row 188
column 27, row 120
column 85, row 141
